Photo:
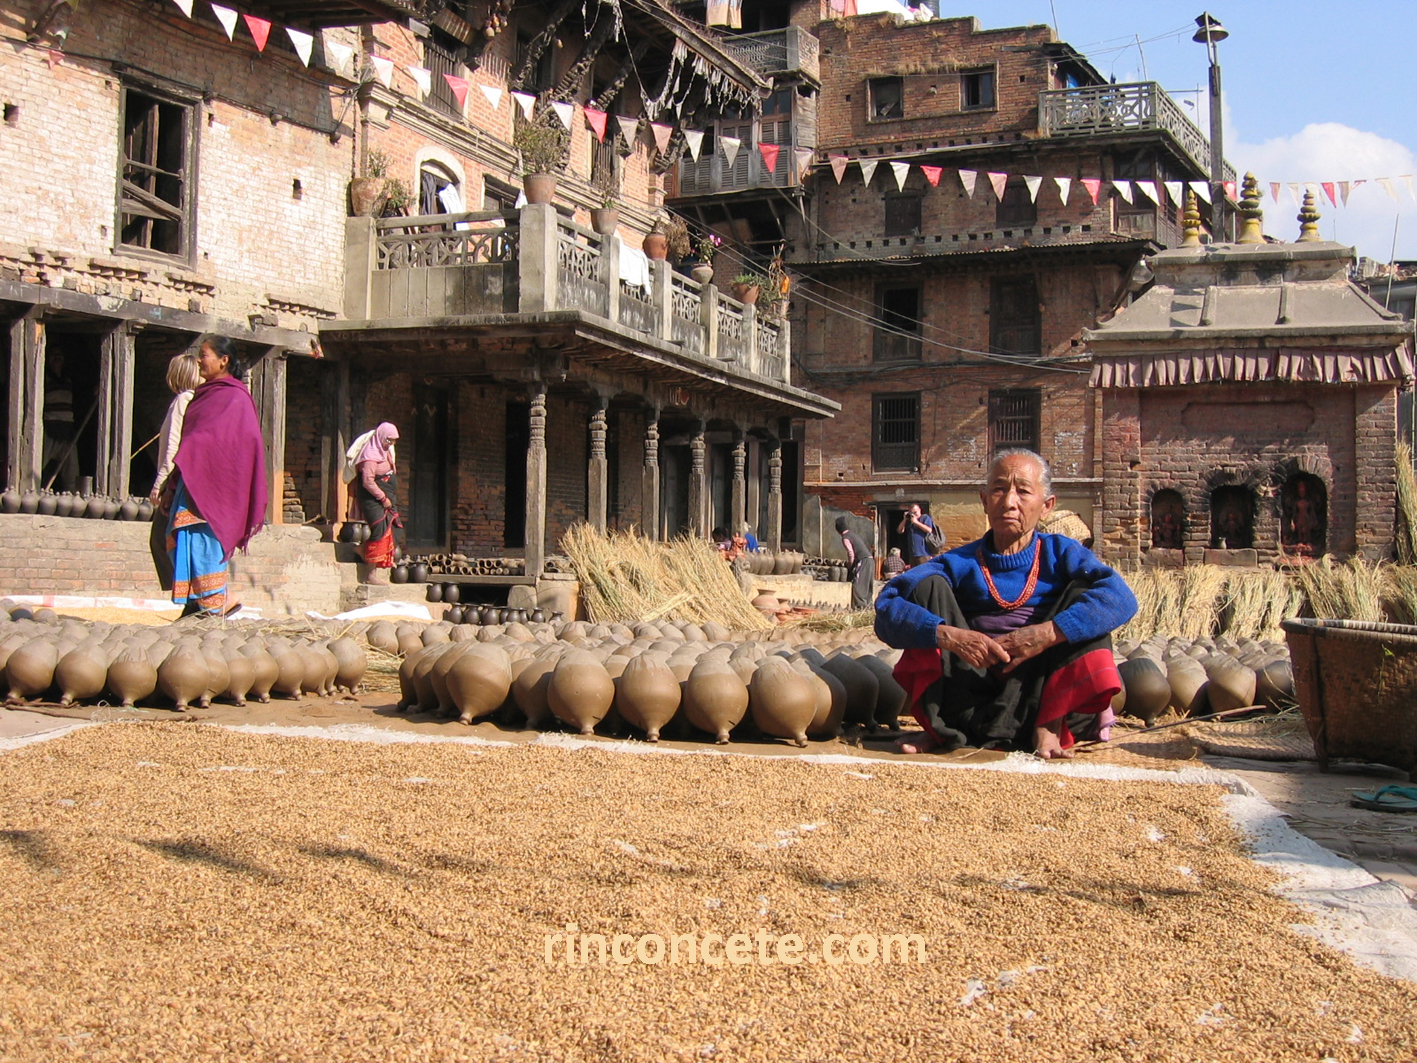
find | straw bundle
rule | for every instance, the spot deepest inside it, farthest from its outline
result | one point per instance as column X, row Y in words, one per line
column 1203, row 600
column 1255, row 603
column 625, row 577
column 1349, row 591
column 1406, row 507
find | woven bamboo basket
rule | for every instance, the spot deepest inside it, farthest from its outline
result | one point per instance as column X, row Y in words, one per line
column 1357, row 687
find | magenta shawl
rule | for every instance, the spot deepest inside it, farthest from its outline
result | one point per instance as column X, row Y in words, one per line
column 222, row 460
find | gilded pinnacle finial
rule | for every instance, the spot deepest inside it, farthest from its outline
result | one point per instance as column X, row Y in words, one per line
column 1251, row 231
column 1308, row 219
column 1191, row 221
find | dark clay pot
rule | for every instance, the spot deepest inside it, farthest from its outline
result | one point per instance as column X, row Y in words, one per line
column 453, row 615
column 44, row 505
column 491, row 615
column 452, row 593
column 111, row 507
column 10, row 501
column 128, row 510
column 347, row 533
column 538, row 616
column 398, row 574
column 145, row 510
column 96, row 508
column 63, row 504
column 418, row 573
column 29, row 503
column 435, row 592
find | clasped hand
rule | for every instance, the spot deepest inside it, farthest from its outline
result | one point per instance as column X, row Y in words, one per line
column 1008, row 650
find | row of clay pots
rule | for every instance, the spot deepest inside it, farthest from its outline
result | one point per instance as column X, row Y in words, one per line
column 131, row 664
column 492, row 615
column 766, row 563
column 66, row 504
column 1203, row 676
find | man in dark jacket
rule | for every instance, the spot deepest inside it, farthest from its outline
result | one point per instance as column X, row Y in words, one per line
column 861, row 564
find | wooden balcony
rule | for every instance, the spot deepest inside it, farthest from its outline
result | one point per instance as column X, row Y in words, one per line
column 522, row 267
column 1123, row 110
column 786, row 51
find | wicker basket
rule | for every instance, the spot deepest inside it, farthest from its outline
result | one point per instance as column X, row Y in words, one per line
column 1357, row 686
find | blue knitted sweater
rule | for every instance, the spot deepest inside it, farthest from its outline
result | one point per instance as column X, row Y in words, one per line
column 1104, row 606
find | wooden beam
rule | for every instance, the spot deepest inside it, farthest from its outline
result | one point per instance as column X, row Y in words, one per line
column 18, row 438
column 33, row 342
column 536, row 483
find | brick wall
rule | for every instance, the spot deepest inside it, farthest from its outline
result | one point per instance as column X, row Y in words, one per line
column 481, row 494
column 304, row 431
column 567, row 451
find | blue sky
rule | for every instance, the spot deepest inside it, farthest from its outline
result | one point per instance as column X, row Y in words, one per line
column 1312, row 92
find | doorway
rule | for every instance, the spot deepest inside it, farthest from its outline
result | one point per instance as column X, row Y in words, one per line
column 428, row 478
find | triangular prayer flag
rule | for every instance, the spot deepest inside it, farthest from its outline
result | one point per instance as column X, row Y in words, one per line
column 868, row 170
column 901, row 171
column 304, row 43
column 1343, row 190
column 185, row 5
column 339, row 56
column 1294, row 192
column 769, row 153
column 628, row 127
column 932, row 174
column 565, row 111
column 1123, row 189
column 839, row 163
column 1361, row 182
column 1274, row 191
column 227, row 17
column 260, row 30
column 1174, row 190
column 493, row 94
column 1149, row 187
column 1065, row 187
column 1386, row 182
column 1202, row 190
column 695, row 139
column 1327, row 186
column 1406, row 179
column 967, row 178
column 1033, row 184
column 422, row 77
column 527, row 102
column 1000, row 181
column 1093, row 186
column 54, row 57
column 1229, row 187
column 383, row 70
column 597, row 121
column 459, row 87
column 730, row 148
column 662, row 133
column 802, row 158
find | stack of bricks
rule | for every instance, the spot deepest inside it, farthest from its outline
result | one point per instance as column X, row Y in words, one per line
column 292, row 512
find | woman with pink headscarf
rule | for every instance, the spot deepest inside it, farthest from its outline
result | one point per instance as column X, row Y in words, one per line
column 376, row 490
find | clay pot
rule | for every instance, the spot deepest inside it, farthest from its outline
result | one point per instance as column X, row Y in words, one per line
column 241, row 676
column 30, row 669
column 353, row 663
column 418, row 572
column 604, row 220
column 1145, row 689
column 111, row 506
column 1187, row 678
column 783, row 702
column 492, row 615
column 346, row 533
column 656, row 246
column 266, row 673
column 398, row 574
column 531, row 683
column 452, row 593
column 381, row 636
column 480, row 681
column 218, row 673
column 95, row 509
column 438, row 676
column 145, row 510
column 436, row 633
column 1274, row 684
column 715, row 698
column 831, row 701
column 434, row 592
column 29, row 503
column 131, row 677
column 425, row 698
column 1231, row 686
column 183, row 676
column 580, row 692
column 701, row 272
column 646, row 693
column 80, row 674
column 128, row 510
column 539, row 188
column 313, row 680
column 290, row 673
column 538, row 616
column 10, row 501
column 63, row 505
column 862, row 688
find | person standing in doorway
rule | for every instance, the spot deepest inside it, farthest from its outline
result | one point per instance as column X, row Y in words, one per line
column 861, row 565
column 916, row 526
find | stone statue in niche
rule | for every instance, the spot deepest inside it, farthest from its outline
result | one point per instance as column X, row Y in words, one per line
column 1230, row 509
column 1168, row 521
column 1303, row 519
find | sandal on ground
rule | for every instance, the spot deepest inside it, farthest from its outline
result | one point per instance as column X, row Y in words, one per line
column 1389, row 799
column 232, row 610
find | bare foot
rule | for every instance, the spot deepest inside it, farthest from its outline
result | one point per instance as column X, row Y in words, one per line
column 1048, row 742
column 921, row 742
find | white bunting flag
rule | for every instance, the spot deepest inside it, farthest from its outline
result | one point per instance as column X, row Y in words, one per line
column 1149, row 187
column 527, row 102
column 1065, row 186
column 1034, row 184
column 1000, row 181
column 695, row 139
column 383, row 70
column 304, row 43
column 565, row 111
column 868, row 170
column 1294, row 192
column 1124, row 189
column 1386, row 182
column 629, row 127
column 339, row 56
column 227, row 17
column 1406, row 179
column 422, row 77
column 1274, row 187
column 1343, row 190
column 185, row 5
column 839, row 163
column 1174, row 190
column 967, row 178
column 662, row 133
column 901, row 171
column 1202, row 190
column 803, row 158
column 730, row 148
column 493, row 94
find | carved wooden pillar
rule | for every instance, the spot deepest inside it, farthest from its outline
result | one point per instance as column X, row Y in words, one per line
column 115, row 411
column 268, row 389
column 598, row 470
column 738, row 500
column 698, row 482
column 649, row 485
column 774, row 529
column 536, row 484
column 26, row 435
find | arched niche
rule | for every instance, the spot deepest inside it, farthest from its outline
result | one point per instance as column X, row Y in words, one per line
column 1168, row 520
column 1232, row 517
column 1303, row 515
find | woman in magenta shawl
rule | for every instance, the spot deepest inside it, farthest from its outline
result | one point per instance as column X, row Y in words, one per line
column 376, row 492
column 219, row 498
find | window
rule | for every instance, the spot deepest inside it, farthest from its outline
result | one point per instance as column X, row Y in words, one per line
column 895, row 432
column 898, row 335
column 440, row 59
column 498, row 196
column 903, row 215
column 155, row 207
column 1013, row 419
column 886, row 98
column 1017, row 206
column 540, row 75
column 438, row 191
column 976, row 89
column 1015, row 325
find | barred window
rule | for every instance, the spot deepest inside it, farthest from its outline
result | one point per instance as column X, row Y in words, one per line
column 895, row 432
column 898, row 309
column 155, row 208
column 1013, row 419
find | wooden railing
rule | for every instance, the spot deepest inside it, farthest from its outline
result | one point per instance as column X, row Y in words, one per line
column 786, row 51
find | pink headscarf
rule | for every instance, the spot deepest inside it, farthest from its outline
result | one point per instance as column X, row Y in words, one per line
column 380, row 445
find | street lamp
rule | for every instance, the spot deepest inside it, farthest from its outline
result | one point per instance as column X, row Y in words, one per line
column 1210, row 34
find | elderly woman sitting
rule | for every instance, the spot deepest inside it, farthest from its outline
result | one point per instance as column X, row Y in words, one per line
column 1007, row 639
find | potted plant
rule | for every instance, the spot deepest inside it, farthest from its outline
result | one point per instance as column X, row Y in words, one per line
column 747, row 285
column 676, row 235
column 701, row 252
column 605, row 219
column 656, row 243
column 366, row 192
column 397, row 198
column 543, row 151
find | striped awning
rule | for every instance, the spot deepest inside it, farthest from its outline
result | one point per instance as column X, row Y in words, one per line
column 1306, row 365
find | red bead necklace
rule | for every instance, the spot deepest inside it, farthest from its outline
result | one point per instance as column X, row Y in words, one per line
column 1028, row 586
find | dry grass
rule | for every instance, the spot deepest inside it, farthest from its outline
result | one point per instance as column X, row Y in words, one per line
column 1351, row 590
column 830, row 622
column 182, row 892
column 626, row 577
column 1406, row 507
column 1208, row 600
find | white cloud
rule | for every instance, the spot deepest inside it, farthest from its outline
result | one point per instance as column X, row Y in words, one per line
column 1331, row 151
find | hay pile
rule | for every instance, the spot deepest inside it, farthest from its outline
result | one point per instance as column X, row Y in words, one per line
column 1208, row 601
column 626, row 577
column 185, row 892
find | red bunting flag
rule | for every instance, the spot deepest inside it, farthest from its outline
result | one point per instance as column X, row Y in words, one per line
column 932, row 174
column 769, row 155
column 596, row 120
column 1093, row 186
column 1229, row 189
column 260, row 30
column 459, row 87
column 1328, row 188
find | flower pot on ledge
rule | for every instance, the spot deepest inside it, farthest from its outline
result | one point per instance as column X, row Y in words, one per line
column 605, row 220
column 701, row 272
column 365, row 194
column 746, row 293
column 540, row 188
column 656, row 247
